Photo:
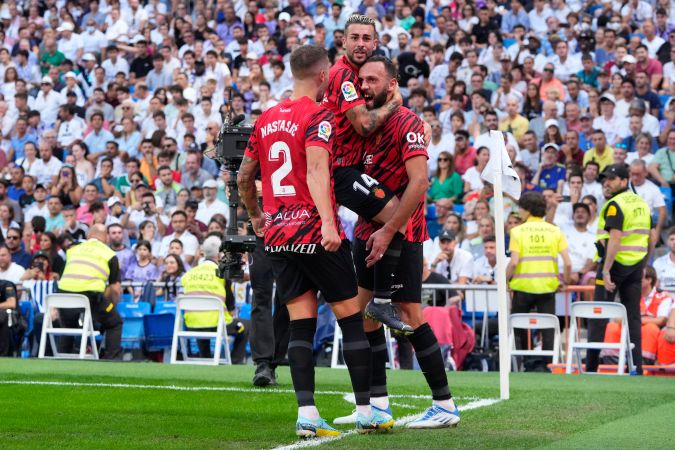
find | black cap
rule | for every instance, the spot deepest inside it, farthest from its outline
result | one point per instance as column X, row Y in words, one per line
column 581, row 205
column 446, row 236
column 40, row 253
column 40, row 186
column 614, row 170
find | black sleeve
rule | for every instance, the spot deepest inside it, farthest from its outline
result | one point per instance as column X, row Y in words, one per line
column 229, row 296
column 114, row 266
column 613, row 217
column 7, row 291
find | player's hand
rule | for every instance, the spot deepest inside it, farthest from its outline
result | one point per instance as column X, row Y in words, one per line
column 257, row 224
column 377, row 244
column 330, row 238
column 609, row 285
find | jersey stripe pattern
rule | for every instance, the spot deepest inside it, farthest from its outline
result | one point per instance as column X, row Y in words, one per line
column 279, row 142
column 343, row 92
column 400, row 139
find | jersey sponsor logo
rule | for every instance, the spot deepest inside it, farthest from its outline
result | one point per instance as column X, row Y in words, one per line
column 324, row 130
column 284, row 110
column 349, row 91
column 306, row 249
column 368, row 160
column 415, row 139
column 611, row 211
column 291, row 215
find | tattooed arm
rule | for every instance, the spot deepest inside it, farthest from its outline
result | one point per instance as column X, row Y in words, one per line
column 247, row 191
column 366, row 121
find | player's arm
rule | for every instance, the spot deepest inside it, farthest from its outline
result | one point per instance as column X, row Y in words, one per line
column 365, row 121
column 247, row 190
column 318, row 182
column 567, row 265
column 417, row 169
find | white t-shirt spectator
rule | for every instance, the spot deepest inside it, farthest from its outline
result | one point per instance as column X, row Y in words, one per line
column 446, row 144
column 13, row 273
column 205, row 213
column 34, row 210
column 46, row 170
column 581, row 248
column 71, row 46
column 651, row 194
column 461, row 265
column 190, row 244
column 70, row 131
column 665, row 271
column 47, row 105
column 112, row 68
column 472, row 177
column 94, row 42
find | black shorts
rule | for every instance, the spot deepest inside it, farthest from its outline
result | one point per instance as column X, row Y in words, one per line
column 407, row 282
column 332, row 273
column 359, row 192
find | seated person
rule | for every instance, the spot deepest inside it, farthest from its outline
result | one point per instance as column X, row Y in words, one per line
column 654, row 308
column 665, row 354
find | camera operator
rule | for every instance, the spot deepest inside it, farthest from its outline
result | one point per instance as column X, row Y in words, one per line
column 147, row 209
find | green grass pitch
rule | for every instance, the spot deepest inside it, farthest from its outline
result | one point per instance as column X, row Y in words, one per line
column 552, row 411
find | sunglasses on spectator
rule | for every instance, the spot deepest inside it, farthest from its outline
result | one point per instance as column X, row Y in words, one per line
column 442, row 159
column 13, row 238
column 435, row 126
column 548, row 70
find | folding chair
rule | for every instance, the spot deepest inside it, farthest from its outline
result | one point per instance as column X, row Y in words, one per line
column 337, row 349
column 534, row 321
column 86, row 333
column 599, row 310
column 194, row 303
column 480, row 305
column 132, row 326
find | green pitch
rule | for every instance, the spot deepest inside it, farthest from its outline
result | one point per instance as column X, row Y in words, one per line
column 545, row 410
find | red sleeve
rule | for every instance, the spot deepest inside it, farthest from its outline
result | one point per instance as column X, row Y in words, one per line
column 320, row 130
column 411, row 137
column 252, row 147
column 345, row 90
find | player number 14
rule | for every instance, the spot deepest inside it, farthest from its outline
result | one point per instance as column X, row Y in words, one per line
column 280, row 190
column 369, row 183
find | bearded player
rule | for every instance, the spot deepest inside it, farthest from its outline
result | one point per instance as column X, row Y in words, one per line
column 399, row 161
column 291, row 146
column 357, row 191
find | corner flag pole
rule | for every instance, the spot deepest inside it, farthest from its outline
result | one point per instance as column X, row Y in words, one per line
column 504, row 350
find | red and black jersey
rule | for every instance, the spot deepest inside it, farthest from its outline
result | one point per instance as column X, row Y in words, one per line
column 386, row 152
column 343, row 92
column 279, row 142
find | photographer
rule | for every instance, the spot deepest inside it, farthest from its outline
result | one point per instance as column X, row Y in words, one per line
column 40, row 268
column 146, row 209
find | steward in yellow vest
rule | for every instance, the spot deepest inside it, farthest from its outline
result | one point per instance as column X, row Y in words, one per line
column 622, row 240
column 92, row 269
column 203, row 280
column 533, row 268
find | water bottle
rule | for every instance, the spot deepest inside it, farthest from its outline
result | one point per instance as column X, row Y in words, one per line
column 25, row 348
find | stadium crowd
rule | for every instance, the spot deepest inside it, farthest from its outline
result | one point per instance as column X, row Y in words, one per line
column 106, row 108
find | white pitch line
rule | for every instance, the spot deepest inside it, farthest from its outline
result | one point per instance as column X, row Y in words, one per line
column 196, row 388
column 399, row 422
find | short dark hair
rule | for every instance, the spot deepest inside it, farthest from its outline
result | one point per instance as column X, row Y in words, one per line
column 490, row 238
column 305, row 59
column 534, row 203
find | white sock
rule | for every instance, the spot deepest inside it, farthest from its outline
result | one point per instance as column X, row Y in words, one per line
column 364, row 409
column 309, row 412
column 445, row 404
column 382, row 301
column 380, row 402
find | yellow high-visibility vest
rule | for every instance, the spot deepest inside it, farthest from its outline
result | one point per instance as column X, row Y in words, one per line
column 634, row 243
column 87, row 267
column 202, row 280
column 538, row 244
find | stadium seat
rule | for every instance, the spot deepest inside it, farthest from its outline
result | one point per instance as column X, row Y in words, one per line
column 158, row 331
column 337, row 361
column 181, row 336
column 127, row 298
column 534, row 322
column 27, row 311
column 86, row 333
column 599, row 310
column 165, row 308
column 132, row 328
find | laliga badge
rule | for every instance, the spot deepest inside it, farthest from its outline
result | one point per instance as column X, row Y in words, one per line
column 349, row 91
column 324, row 130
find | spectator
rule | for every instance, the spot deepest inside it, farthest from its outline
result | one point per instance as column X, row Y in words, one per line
column 601, row 153
column 452, row 262
column 147, row 231
column 446, row 183
column 442, row 209
column 167, row 189
column 66, row 187
column 662, row 168
column 549, row 173
column 6, row 219
column 189, row 241
column 171, row 274
column 484, row 266
column 9, row 271
column 47, row 167
column 40, row 269
column 665, row 265
column 471, row 178
column 440, row 142
column 142, row 268
column 106, row 182
column 465, row 155
column 18, row 254
column 210, row 205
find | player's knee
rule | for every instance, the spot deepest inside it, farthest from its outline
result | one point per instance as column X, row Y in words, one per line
column 346, row 308
column 411, row 313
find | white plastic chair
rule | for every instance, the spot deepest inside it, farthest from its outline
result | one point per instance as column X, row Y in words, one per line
column 180, row 336
column 539, row 322
column 599, row 310
column 337, row 349
column 86, row 333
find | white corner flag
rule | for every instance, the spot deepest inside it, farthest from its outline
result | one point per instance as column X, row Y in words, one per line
column 499, row 171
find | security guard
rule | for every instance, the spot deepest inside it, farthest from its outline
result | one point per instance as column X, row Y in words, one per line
column 533, row 268
column 8, row 303
column 622, row 241
column 89, row 266
column 202, row 279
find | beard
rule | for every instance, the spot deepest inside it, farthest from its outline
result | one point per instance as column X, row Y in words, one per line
column 378, row 100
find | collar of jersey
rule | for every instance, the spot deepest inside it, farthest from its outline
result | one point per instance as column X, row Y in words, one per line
column 534, row 219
